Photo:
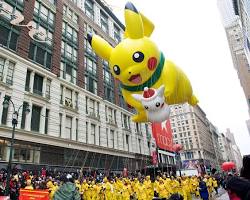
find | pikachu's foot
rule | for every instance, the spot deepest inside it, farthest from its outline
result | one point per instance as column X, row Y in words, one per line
column 193, row 101
column 140, row 117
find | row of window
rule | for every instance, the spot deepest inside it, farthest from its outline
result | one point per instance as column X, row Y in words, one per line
column 42, row 53
column 104, row 20
column 6, row 71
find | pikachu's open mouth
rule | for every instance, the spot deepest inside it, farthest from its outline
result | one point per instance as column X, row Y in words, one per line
column 135, row 79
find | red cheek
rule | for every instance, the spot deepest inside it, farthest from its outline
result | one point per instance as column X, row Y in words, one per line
column 152, row 63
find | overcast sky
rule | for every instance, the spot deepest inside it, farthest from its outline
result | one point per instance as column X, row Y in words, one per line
column 191, row 34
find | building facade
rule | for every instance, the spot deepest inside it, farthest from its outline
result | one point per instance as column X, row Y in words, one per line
column 226, row 147
column 77, row 116
column 237, row 157
column 191, row 129
column 236, row 21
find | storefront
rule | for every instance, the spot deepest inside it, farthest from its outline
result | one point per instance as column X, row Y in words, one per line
column 27, row 155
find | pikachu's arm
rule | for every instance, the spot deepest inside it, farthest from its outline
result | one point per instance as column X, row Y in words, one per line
column 131, row 101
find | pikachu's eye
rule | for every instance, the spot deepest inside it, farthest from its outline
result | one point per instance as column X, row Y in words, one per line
column 138, row 56
column 116, row 69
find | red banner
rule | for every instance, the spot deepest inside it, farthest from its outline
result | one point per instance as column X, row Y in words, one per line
column 163, row 135
column 154, row 157
column 33, row 194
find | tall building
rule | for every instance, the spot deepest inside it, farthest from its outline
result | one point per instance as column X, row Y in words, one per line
column 215, row 137
column 77, row 116
column 235, row 149
column 235, row 17
column 226, row 147
column 191, row 128
column 248, row 125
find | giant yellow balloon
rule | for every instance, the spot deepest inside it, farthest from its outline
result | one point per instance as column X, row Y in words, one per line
column 143, row 70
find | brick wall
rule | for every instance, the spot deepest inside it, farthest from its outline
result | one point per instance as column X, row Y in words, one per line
column 100, row 84
column 24, row 39
column 80, row 72
column 57, row 37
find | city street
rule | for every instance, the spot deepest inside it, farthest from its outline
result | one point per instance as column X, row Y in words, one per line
column 221, row 196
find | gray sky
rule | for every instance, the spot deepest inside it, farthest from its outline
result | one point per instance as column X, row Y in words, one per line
column 191, row 34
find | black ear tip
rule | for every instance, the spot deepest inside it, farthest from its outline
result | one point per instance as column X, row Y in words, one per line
column 89, row 37
column 131, row 6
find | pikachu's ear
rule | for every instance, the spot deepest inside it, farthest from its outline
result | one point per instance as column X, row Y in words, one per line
column 133, row 21
column 100, row 46
column 148, row 26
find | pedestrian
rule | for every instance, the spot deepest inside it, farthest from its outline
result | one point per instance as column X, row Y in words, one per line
column 203, row 189
column 238, row 188
column 68, row 190
column 245, row 170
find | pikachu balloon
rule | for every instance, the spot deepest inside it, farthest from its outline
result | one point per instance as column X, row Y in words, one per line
column 139, row 64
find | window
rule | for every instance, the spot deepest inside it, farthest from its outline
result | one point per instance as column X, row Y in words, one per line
column 60, row 124
column 46, row 122
column 9, row 35
column 108, row 83
column 48, row 86
column 126, row 121
column 69, row 33
column 35, row 119
column 93, row 136
column 112, row 138
column 188, row 133
column 42, row 13
column 127, row 142
column 70, row 14
column 87, row 132
column 104, row 22
column 68, row 71
column 76, row 100
column 25, row 104
column 90, row 65
column 2, row 62
column 40, row 54
column 38, row 85
column 90, row 74
column 89, row 9
column 137, row 128
column 68, row 98
column 76, row 129
column 5, row 112
column 139, row 142
column 68, row 128
column 44, row 21
column 27, row 81
column 107, row 137
column 117, row 35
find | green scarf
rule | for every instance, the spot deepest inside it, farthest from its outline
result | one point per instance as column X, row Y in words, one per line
column 151, row 81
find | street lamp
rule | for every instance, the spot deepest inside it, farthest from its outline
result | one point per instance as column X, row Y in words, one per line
column 15, row 114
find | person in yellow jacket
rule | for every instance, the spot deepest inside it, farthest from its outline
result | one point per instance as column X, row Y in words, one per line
column 118, row 189
column 186, row 187
column 167, row 184
column 141, row 193
column 78, row 186
column 90, row 191
column 215, row 185
column 29, row 186
column 51, row 189
column 149, row 188
column 127, row 191
column 162, row 191
column 108, row 189
column 84, row 189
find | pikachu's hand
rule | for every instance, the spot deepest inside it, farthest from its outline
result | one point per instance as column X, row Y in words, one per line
column 167, row 93
column 140, row 117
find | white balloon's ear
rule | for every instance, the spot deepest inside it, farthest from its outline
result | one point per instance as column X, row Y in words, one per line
column 161, row 90
column 137, row 97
